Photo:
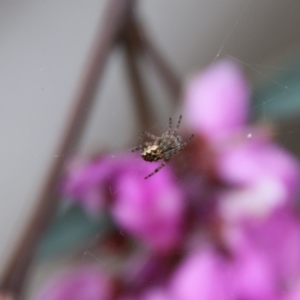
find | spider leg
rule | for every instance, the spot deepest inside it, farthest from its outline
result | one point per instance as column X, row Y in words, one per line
column 157, row 169
column 178, row 124
column 170, row 124
column 140, row 147
column 186, row 142
column 150, row 135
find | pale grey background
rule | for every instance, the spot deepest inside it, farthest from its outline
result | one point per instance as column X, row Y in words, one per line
column 43, row 47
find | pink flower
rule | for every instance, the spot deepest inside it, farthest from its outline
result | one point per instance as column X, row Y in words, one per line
column 258, row 267
column 155, row 294
column 266, row 179
column 266, row 256
column 263, row 176
column 150, row 210
column 83, row 183
column 83, row 283
column 262, row 184
column 202, row 275
column 216, row 101
column 252, row 273
column 278, row 238
column 208, row 274
column 294, row 294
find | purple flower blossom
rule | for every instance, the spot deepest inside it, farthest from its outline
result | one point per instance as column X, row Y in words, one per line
column 82, row 185
column 155, row 294
column 216, row 101
column 252, row 274
column 294, row 294
column 264, row 176
column 278, row 238
column 208, row 274
column 274, row 244
column 82, row 283
column 201, row 275
column 150, row 210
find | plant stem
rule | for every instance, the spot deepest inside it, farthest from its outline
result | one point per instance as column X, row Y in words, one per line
column 142, row 102
column 163, row 68
column 14, row 275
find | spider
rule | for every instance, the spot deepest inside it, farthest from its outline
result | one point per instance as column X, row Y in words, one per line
column 164, row 147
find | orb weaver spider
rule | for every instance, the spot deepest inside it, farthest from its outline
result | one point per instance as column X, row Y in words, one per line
column 163, row 147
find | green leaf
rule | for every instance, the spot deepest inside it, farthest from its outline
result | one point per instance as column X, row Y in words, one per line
column 279, row 99
column 71, row 228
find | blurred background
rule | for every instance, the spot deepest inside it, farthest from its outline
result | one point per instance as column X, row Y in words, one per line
column 43, row 48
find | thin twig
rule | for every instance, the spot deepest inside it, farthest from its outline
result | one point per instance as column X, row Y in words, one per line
column 163, row 68
column 15, row 274
column 139, row 90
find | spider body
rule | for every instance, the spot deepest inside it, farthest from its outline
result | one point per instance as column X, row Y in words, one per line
column 162, row 148
column 152, row 153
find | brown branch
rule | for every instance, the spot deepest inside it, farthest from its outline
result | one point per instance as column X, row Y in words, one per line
column 15, row 274
column 139, row 91
column 163, row 68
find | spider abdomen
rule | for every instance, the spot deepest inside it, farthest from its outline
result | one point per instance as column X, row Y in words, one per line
column 152, row 153
column 163, row 147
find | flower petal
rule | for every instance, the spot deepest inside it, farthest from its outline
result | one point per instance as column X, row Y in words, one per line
column 149, row 209
column 266, row 178
column 216, row 101
column 155, row 294
column 279, row 238
column 83, row 283
column 201, row 276
column 252, row 272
